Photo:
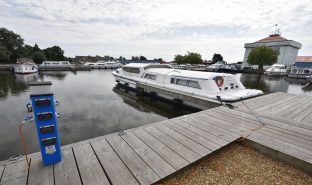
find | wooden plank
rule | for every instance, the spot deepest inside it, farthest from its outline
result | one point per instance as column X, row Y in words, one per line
column 276, row 103
column 206, row 126
column 89, row 167
column 158, row 164
column 261, row 101
column 285, row 107
column 286, row 138
column 294, row 128
column 255, row 101
column 281, row 146
column 305, row 107
column 238, row 128
column 250, row 118
column 40, row 174
column 165, row 152
column 216, row 139
column 143, row 173
column 223, row 115
column 195, row 137
column 189, row 143
column 115, row 169
column 303, row 114
column 308, row 118
column 238, row 120
column 66, row 171
column 176, row 146
column 15, row 174
column 299, row 105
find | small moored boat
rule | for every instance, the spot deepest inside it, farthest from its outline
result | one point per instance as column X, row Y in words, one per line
column 276, row 70
column 299, row 73
column 103, row 65
column 25, row 66
column 204, row 84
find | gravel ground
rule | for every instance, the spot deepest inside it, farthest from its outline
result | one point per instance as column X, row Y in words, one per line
column 238, row 164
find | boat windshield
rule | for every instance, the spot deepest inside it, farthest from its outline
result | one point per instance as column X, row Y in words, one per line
column 157, row 66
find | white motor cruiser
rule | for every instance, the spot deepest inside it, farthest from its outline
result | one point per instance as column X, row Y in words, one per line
column 204, row 84
column 276, row 70
column 25, row 66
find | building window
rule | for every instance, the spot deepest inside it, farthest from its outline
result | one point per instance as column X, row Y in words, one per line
column 150, row 76
column 187, row 83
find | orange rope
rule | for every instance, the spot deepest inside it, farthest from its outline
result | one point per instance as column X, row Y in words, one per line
column 25, row 150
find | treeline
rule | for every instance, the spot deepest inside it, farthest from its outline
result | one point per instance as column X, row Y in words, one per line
column 12, row 47
column 195, row 58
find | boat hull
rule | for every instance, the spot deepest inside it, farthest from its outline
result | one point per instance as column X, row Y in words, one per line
column 297, row 75
column 272, row 73
column 25, row 69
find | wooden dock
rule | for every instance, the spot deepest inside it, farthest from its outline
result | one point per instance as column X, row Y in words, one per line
column 281, row 128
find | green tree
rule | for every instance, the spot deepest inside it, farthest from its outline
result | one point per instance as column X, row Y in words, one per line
column 54, row 53
column 189, row 58
column 216, row 58
column 38, row 57
column 11, row 44
column 262, row 55
column 143, row 58
column 193, row 58
column 4, row 54
column 179, row 59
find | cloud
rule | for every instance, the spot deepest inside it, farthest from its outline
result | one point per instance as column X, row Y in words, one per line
column 158, row 28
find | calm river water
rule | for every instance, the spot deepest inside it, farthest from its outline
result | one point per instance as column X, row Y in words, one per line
column 91, row 106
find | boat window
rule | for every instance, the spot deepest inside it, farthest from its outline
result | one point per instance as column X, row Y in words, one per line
column 131, row 70
column 150, row 76
column 55, row 63
column 64, row 62
column 187, row 83
column 181, row 82
column 193, row 84
column 158, row 66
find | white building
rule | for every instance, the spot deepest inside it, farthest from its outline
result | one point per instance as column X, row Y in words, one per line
column 288, row 49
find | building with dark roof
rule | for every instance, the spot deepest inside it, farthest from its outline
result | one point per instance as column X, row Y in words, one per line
column 288, row 49
column 304, row 62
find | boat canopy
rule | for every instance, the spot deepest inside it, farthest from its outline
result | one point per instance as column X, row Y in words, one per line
column 186, row 73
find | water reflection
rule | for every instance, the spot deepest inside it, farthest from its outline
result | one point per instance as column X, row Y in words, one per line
column 152, row 105
column 270, row 84
column 10, row 84
column 59, row 75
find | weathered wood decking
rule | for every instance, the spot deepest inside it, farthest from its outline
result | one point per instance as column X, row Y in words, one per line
column 147, row 154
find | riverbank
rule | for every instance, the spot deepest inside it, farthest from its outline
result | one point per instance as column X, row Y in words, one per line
column 8, row 67
column 239, row 164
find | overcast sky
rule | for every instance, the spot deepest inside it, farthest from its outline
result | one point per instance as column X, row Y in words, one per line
column 156, row 28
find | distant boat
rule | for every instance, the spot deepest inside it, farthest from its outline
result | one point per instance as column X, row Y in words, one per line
column 103, row 65
column 204, row 84
column 299, row 73
column 56, row 65
column 276, row 70
column 215, row 67
column 25, row 66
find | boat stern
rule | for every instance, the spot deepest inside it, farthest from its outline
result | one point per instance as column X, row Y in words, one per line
column 237, row 95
